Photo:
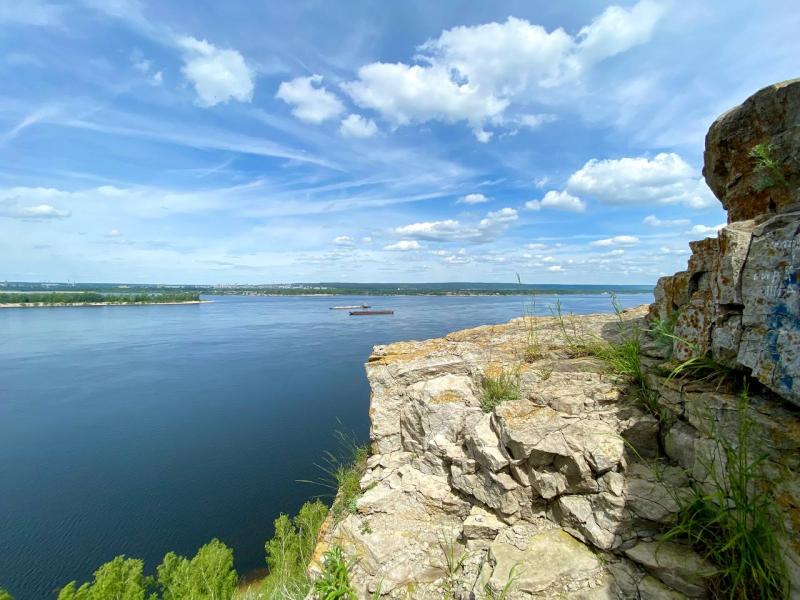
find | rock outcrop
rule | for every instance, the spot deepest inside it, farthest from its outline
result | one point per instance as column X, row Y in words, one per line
column 739, row 299
column 565, row 489
column 558, row 491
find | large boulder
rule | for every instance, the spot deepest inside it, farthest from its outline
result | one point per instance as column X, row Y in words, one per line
column 771, row 117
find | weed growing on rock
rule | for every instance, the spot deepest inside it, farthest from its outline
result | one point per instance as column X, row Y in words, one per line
column 544, row 372
column 702, row 367
column 499, row 388
column 454, row 558
column 342, row 471
column 334, row 582
column 533, row 348
column 490, row 594
column 737, row 525
column 769, row 171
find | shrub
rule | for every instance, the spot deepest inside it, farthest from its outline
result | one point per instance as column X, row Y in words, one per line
column 207, row 576
column 289, row 552
column 4, row 595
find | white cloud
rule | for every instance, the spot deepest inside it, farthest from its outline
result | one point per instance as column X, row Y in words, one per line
column 617, row 30
column 558, row 200
column 11, row 208
column 541, row 182
column 618, row 240
column 489, row 228
column 666, row 179
column 404, row 245
column 432, row 230
column 114, row 233
column 356, row 126
column 534, row 121
column 343, row 240
column 556, row 269
column 473, row 199
column 217, row 75
column 706, row 230
column 654, row 221
column 475, row 73
column 311, row 102
column 366, row 240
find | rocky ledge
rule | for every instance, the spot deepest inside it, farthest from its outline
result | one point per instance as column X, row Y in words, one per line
column 565, row 489
column 560, row 491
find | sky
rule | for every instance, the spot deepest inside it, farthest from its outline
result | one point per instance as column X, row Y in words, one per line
column 157, row 141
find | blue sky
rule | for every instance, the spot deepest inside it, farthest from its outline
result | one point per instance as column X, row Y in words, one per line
column 257, row 142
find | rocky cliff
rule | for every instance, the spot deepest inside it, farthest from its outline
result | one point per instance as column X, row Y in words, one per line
column 565, row 485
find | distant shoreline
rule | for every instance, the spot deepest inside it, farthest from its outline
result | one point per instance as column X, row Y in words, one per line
column 78, row 304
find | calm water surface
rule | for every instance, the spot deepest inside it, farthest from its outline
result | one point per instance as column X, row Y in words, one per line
column 139, row 430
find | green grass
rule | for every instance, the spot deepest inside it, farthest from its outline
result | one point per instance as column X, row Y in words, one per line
column 454, row 558
column 499, row 388
column 737, row 526
column 533, row 347
column 342, row 470
column 702, row 367
column 334, row 582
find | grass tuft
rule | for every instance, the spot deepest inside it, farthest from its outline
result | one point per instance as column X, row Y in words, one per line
column 334, row 582
column 342, row 470
column 454, row 558
column 499, row 388
column 738, row 525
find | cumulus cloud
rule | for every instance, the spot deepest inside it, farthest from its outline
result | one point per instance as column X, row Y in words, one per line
column 556, row 269
column 473, row 199
column 706, row 230
column 618, row 240
column 12, row 208
column 654, row 221
column 489, row 228
column 559, row 200
column 356, row 126
column 474, row 73
column 343, row 240
column 404, row 245
column 666, row 179
column 311, row 102
column 218, row 75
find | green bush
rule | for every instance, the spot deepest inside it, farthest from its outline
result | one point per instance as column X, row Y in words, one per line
column 4, row 595
column 207, row 576
column 290, row 550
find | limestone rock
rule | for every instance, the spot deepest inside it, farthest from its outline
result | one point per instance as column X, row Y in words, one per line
column 543, row 562
column 677, row 566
